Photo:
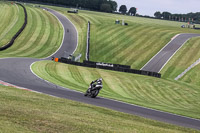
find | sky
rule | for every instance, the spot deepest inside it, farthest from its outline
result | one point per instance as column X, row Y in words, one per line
column 149, row 7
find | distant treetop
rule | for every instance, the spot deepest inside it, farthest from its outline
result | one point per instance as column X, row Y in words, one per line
column 98, row 5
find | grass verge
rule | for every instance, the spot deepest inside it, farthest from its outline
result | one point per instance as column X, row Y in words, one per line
column 132, row 45
column 192, row 76
column 171, row 96
column 24, row 111
column 40, row 38
column 12, row 18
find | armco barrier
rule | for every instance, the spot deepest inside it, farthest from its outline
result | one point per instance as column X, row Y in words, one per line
column 87, row 55
column 108, row 66
column 18, row 33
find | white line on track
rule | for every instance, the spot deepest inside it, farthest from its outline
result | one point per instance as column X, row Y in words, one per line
column 63, row 34
column 62, row 38
column 173, row 54
column 161, row 50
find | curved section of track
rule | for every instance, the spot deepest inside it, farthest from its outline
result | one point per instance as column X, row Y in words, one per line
column 161, row 58
column 17, row 71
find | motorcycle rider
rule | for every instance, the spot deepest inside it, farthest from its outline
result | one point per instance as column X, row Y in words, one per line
column 94, row 84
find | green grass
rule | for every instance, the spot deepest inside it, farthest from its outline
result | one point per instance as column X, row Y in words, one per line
column 131, row 45
column 185, row 57
column 192, row 77
column 12, row 18
column 165, row 95
column 24, row 111
column 40, row 38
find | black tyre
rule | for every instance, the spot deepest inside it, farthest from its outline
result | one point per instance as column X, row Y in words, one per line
column 86, row 93
column 94, row 93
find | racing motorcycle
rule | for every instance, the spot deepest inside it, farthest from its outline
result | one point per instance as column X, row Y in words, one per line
column 94, row 89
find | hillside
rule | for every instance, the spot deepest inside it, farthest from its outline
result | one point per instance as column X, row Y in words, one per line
column 40, row 38
column 134, row 44
column 24, row 111
column 12, row 18
column 131, row 45
column 165, row 95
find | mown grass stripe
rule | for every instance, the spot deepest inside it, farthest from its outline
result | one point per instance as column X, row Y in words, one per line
column 40, row 38
column 8, row 20
column 28, row 36
column 32, row 37
column 91, row 19
column 122, row 42
column 12, row 24
column 118, row 33
column 36, row 44
column 117, row 52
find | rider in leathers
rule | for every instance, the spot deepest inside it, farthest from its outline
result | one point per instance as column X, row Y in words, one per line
column 98, row 82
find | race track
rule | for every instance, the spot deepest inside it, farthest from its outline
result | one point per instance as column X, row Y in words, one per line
column 17, row 71
column 160, row 60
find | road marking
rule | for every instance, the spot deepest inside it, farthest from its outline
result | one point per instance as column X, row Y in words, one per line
column 63, row 33
column 160, row 50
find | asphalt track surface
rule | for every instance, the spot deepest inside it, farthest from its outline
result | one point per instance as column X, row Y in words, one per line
column 17, row 71
column 160, row 60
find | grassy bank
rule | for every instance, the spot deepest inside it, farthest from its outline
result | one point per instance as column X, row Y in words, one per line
column 24, row 111
column 165, row 95
column 12, row 18
column 192, row 77
column 40, row 38
column 185, row 57
column 133, row 45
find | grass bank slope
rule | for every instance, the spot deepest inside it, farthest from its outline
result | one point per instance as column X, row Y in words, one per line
column 193, row 76
column 133, row 45
column 41, row 37
column 165, row 95
column 24, row 111
column 185, row 57
column 130, row 45
column 12, row 18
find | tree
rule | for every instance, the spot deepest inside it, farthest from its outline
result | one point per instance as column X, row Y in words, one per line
column 166, row 15
column 158, row 14
column 123, row 9
column 132, row 11
column 113, row 5
column 106, row 8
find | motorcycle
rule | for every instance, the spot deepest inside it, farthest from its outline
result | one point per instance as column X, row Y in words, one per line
column 93, row 90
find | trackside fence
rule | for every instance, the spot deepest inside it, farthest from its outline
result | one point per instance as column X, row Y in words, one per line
column 87, row 55
column 109, row 66
column 18, row 33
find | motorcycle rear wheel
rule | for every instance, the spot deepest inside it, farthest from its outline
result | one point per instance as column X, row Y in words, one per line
column 94, row 93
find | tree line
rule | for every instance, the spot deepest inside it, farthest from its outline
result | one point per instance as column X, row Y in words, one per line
column 132, row 11
column 97, row 5
column 190, row 17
